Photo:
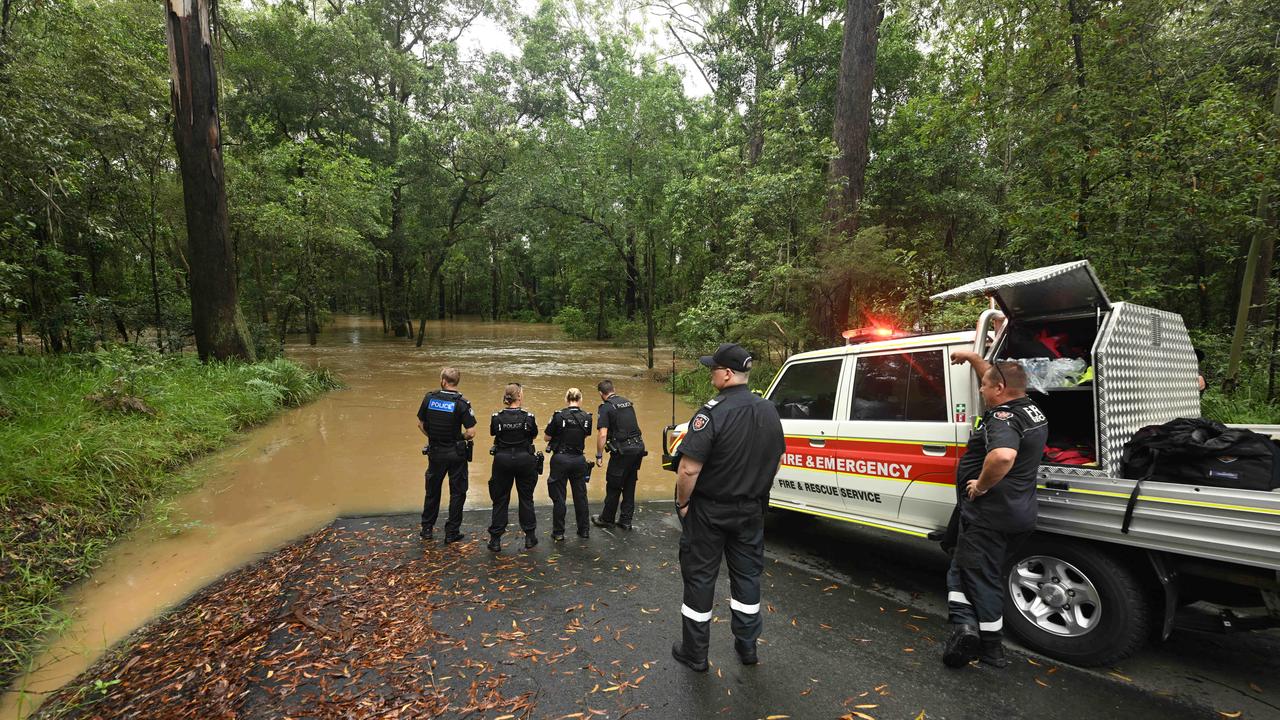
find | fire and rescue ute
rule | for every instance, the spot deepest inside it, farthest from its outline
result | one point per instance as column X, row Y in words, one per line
column 875, row 430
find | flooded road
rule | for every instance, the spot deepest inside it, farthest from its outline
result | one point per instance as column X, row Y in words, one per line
column 353, row 451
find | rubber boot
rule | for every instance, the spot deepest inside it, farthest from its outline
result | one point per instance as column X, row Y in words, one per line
column 963, row 647
column 992, row 652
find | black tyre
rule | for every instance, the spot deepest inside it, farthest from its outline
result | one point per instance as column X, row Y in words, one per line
column 1073, row 602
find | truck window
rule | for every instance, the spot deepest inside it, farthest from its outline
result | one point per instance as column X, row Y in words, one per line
column 807, row 391
column 904, row 386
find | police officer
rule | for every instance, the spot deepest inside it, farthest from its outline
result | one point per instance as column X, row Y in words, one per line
column 567, row 433
column 996, row 492
column 514, row 430
column 727, row 463
column 447, row 420
column 619, row 431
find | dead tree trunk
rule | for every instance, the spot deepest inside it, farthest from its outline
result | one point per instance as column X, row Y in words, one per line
column 220, row 329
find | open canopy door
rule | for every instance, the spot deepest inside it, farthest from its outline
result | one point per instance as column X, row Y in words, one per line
column 1067, row 289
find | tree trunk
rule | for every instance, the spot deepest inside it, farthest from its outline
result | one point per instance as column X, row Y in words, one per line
column 600, row 315
column 215, row 311
column 155, row 295
column 494, row 277
column 1078, row 17
column 650, row 326
column 1260, row 238
column 382, row 306
column 309, row 317
column 397, row 313
column 633, row 273
column 847, row 172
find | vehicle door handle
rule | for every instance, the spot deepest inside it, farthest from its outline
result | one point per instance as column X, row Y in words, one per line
column 817, row 442
column 937, row 450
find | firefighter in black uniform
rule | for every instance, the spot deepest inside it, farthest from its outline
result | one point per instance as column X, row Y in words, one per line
column 619, row 431
column 447, row 420
column 514, row 430
column 567, row 433
column 727, row 463
column 996, row 492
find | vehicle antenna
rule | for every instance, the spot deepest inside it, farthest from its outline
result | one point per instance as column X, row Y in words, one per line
column 673, row 386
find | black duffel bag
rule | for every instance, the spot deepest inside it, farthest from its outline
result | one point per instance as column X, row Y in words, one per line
column 1196, row 451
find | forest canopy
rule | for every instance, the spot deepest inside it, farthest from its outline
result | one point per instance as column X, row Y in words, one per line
column 643, row 170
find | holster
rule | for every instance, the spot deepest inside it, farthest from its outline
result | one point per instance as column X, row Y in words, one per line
column 542, row 461
column 468, row 449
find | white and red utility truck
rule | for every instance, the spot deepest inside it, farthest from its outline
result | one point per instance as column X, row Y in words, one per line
column 875, row 429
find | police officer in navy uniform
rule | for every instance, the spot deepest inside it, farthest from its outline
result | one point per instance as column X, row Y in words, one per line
column 996, row 492
column 727, row 462
column 619, row 431
column 447, row 420
column 567, row 432
column 514, row 430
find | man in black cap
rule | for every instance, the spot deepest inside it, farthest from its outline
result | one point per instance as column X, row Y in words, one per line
column 727, row 462
column 619, row 431
column 447, row 420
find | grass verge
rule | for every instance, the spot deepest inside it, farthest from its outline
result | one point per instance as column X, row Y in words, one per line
column 89, row 443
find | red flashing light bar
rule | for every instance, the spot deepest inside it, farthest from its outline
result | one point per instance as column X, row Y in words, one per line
column 870, row 332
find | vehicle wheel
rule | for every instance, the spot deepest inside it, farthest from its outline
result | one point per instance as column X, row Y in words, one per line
column 1071, row 601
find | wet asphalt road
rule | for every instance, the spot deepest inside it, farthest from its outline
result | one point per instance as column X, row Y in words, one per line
column 853, row 623
column 583, row 629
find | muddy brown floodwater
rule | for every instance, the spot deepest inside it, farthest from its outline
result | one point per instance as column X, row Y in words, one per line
column 353, row 451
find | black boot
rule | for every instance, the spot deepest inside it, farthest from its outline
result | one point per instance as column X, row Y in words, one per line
column 456, row 537
column 426, row 534
column 595, row 520
column 746, row 652
column 530, row 540
column 962, row 647
column 495, row 543
column 992, row 653
column 677, row 652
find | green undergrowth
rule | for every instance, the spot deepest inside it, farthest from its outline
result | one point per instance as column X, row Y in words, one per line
column 695, row 385
column 90, row 445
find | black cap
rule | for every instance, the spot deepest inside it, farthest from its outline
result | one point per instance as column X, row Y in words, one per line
column 729, row 355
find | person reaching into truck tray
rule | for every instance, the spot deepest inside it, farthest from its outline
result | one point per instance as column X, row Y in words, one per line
column 996, row 491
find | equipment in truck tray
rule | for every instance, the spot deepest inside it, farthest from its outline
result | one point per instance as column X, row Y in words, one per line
column 1196, row 451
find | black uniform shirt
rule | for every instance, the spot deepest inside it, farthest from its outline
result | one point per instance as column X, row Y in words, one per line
column 618, row 416
column 569, row 429
column 739, row 439
column 441, row 412
column 1010, row 505
column 513, row 427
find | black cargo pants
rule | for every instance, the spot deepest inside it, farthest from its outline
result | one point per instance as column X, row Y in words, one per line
column 620, row 483
column 568, row 469
column 975, row 582
column 440, row 462
column 518, row 466
column 713, row 530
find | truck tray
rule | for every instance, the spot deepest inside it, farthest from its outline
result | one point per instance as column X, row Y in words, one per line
column 1237, row 526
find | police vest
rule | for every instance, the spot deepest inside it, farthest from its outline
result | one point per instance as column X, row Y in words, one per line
column 444, row 417
column 623, row 425
column 574, row 425
column 513, row 428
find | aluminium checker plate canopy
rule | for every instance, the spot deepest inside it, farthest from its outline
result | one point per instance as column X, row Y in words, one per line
column 1144, row 365
column 1067, row 289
